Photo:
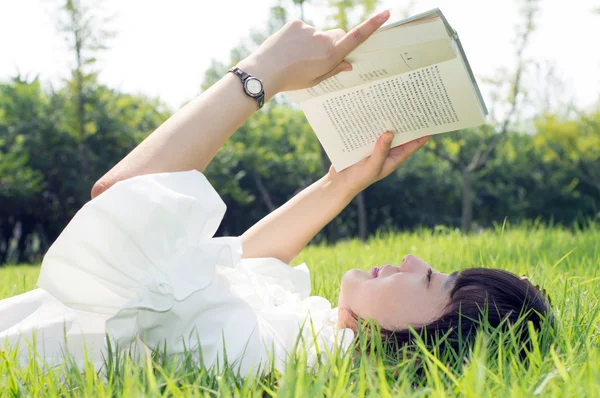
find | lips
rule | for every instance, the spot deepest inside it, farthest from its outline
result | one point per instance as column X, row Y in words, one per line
column 375, row 272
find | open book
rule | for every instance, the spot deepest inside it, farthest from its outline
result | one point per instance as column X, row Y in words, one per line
column 410, row 77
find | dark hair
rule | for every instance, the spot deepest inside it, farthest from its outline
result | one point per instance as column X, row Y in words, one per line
column 480, row 297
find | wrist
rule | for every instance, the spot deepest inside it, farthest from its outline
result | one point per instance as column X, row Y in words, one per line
column 340, row 186
column 269, row 75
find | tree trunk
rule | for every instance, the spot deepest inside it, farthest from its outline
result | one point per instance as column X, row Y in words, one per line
column 264, row 193
column 21, row 255
column 5, row 243
column 467, row 201
column 84, row 157
column 12, row 252
column 362, row 216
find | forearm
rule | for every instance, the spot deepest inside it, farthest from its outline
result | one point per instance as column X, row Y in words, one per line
column 286, row 231
column 192, row 136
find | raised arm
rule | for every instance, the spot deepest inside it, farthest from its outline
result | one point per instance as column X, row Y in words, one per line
column 287, row 230
column 298, row 56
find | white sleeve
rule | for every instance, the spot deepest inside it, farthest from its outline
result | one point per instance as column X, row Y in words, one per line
column 143, row 243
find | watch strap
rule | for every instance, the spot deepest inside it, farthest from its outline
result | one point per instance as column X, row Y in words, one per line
column 260, row 99
column 239, row 73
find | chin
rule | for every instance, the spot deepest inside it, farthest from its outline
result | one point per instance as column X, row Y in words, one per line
column 355, row 274
column 349, row 286
column 352, row 279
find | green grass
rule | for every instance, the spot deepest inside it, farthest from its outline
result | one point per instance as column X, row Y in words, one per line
column 565, row 261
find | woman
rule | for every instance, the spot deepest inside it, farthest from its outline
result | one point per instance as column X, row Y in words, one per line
column 139, row 262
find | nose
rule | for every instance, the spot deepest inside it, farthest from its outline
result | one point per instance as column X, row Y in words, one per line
column 412, row 263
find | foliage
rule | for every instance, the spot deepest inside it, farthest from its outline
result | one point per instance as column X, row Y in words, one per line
column 551, row 174
column 566, row 365
column 574, row 144
column 42, row 183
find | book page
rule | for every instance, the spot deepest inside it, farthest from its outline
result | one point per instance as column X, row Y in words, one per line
column 430, row 100
column 404, row 35
column 387, row 53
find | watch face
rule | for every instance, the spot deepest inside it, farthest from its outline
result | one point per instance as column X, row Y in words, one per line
column 253, row 86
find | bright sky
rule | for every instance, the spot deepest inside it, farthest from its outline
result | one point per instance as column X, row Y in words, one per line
column 164, row 47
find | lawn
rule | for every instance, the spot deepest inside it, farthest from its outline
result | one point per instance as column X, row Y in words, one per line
column 564, row 260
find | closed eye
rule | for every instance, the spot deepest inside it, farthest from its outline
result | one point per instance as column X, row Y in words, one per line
column 429, row 274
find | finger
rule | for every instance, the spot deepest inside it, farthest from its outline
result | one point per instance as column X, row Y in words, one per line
column 342, row 66
column 332, row 171
column 380, row 153
column 404, row 151
column 336, row 34
column 399, row 154
column 359, row 34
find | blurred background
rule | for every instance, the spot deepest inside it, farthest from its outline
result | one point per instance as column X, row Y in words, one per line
column 82, row 82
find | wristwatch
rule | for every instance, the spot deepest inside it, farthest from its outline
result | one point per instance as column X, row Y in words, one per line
column 253, row 86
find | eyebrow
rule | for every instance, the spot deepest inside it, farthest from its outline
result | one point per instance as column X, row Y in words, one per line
column 450, row 281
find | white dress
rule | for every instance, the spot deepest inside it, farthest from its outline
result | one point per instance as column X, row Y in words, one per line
column 139, row 263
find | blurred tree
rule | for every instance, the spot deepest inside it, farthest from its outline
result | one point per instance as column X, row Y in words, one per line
column 84, row 31
column 573, row 144
column 21, row 109
column 56, row 143
column 468, row 151
column 41, row 183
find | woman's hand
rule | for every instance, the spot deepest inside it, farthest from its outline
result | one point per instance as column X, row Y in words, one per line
column 300, row 56
column 377, row 166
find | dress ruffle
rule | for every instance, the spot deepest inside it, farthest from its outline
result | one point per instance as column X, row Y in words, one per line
column 138, row 248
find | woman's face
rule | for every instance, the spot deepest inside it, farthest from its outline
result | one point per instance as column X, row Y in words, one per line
column 412, row 294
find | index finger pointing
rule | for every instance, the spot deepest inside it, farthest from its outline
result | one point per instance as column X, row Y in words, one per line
column 360, row 33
